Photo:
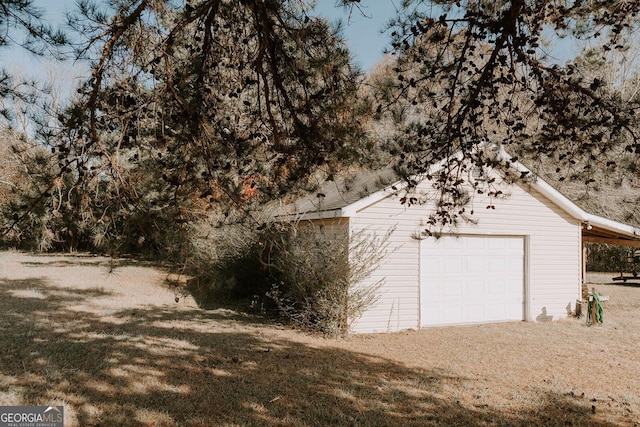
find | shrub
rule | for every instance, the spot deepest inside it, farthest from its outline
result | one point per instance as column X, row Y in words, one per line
column 223, row 262
column 320, row 272
column 311, row 274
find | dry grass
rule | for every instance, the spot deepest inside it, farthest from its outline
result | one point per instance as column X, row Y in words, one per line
column 116, row 349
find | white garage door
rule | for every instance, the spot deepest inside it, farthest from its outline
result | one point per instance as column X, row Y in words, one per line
column 471, row 279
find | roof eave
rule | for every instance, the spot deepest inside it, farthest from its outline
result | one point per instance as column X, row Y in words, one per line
column 310, row 216
column 617, row 228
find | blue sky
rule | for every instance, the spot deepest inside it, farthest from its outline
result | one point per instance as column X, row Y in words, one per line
column 20, row 62
column 362, row 30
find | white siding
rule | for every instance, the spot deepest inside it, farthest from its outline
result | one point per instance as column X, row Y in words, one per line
column 552, row 266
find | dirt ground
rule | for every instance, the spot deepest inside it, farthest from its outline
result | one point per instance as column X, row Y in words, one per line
column 110, row 343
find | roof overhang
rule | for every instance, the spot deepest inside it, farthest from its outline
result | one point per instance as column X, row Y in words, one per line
column 595, row 232
column 312, row 216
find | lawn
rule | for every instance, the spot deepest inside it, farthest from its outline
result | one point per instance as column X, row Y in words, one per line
column 111, row 344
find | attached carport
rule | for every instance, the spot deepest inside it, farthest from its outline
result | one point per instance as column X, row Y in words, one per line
column 596, row 229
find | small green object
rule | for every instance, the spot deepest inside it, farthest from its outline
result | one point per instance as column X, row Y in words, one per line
column 599, row 312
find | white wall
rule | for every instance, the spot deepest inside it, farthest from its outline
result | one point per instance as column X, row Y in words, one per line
column 553, row 263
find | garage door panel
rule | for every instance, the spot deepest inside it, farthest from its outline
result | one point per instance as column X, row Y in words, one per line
column 475, row 310
column 497, row 288
column 453, row 290
column 473, row 245
column 472, row 279
column 497, row 265
column 476, row 265
column 443, row 316
column 453, row 264
column 473, row 291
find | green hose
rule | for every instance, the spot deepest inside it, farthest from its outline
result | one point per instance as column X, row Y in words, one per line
column 599, row 311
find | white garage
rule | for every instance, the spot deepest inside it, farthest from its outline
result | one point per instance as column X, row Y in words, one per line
column 519, row 259
column 472, row 279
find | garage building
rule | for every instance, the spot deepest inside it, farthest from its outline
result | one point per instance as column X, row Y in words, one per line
column 521, row 260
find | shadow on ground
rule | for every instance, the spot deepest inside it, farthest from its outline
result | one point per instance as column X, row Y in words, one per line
column 162, row 367
column 614, row 279
column 633, row 283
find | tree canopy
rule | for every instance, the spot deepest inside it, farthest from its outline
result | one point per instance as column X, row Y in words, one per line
column 474, row 73
column 215, row 105
column 202, row 106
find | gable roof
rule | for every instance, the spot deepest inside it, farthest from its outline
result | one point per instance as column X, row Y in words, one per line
column 335, row 196
column 343, row 198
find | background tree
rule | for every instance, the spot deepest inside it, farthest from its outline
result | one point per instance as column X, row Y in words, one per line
column 38, row 207
column 27, row 176
column 614, row 190
column 205, row 107
column 475, row 73
column 212, row 105
column 33, row 198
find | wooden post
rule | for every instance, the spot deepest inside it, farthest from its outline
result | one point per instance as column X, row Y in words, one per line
column 584, row 262
column 584, row 289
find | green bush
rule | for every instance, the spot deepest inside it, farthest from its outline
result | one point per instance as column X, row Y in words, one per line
column 224, row 263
